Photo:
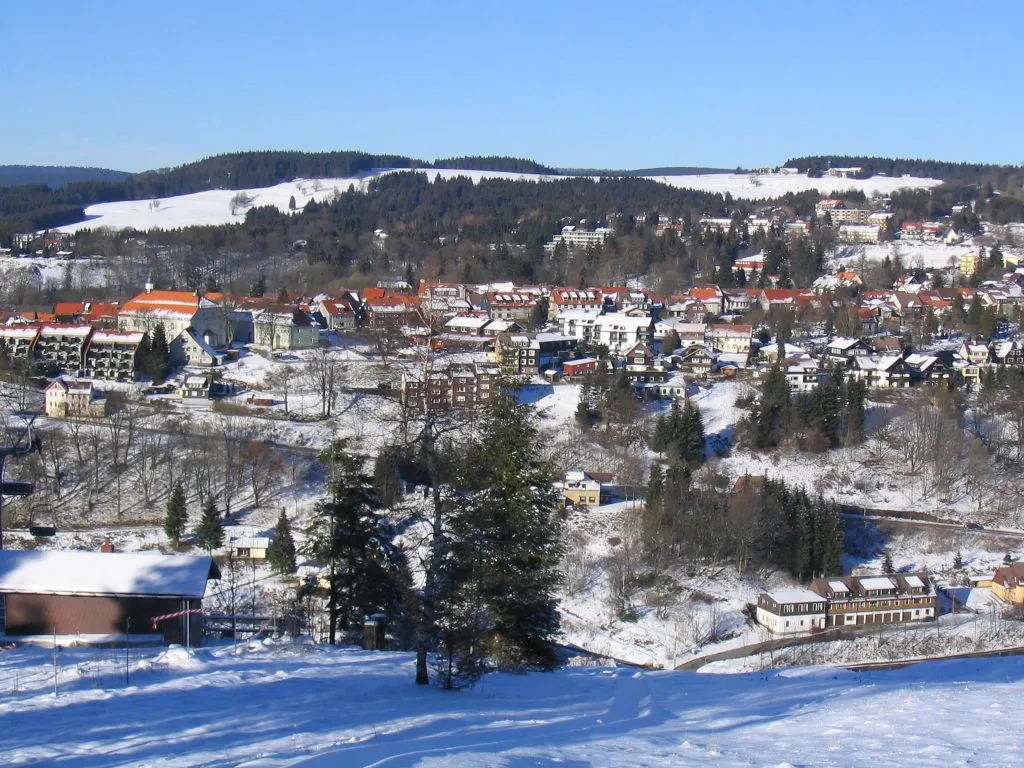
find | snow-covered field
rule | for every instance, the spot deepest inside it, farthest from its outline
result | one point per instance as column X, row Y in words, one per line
column 278, row 704
column 213, row 207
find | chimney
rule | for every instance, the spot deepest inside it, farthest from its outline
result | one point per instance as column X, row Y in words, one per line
column 106, row 546
column 149, row 286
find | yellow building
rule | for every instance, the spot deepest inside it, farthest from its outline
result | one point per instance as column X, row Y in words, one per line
column 583, row 489
column 1008, row 583
column 968, row 264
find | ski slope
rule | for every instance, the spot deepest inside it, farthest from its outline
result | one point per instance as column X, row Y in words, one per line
column 275, row 704
column 213, row 207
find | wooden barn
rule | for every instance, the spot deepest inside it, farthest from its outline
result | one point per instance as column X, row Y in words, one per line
column 104, row 594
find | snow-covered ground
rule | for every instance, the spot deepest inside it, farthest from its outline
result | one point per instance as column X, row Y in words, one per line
column 213, row 207
column 276, row 704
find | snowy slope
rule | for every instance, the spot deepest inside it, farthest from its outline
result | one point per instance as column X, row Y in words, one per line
column 214, row 206
column 278, row 705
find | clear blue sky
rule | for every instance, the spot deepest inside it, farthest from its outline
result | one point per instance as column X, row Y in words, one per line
column 144, row 84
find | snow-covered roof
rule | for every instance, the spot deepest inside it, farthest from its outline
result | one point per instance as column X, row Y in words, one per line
column 914, row 581
column 838, row 586
column 877, row 582
column 796, row 595
column 118, row 337
column 255, row 542
column 104, row 573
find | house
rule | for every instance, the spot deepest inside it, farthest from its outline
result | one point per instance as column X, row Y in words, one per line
column 860, row 233
column 197, row 386
column 574, row 369
column 576, row 238
column 782, row 298
column 711, row 298
column 618, row 333
column 495, row 328
column 200, row 315
column 578, row 323
column 113, row 354
column 467, row 325
column 848, row 601
column 977, row 353
column 642, row 367
column 881, row 371
column 1009, row 353
column 804, row 374
column 583, row 489
column 336, row 315
column 512, row 305
column 1008, row 583
column 731, row 339
column 562, row 299
column 927, row 368
column 791, row 611
column 530, row 353
column 457, row 386
column 74, row 398
column 885, row 599
column 696, row 360
column 109, row 594
column 250, row 547
column 274, row 325
column 382, row 309
column 843, row 349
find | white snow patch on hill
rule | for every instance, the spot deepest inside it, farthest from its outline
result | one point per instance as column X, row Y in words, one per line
column 213, row 207
column 276, row 704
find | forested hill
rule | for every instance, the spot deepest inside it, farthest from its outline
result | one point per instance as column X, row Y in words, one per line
column 969, row 173
column 38, row 205
column 55, row 176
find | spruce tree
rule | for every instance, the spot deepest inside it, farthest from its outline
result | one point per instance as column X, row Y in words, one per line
column 210, row 531
column 887, row 566
column 159, row 363
column 348, row 535
column 958, row 560
column 691, row 434
column 505, row 530
column 281, row 552
column 176, row 515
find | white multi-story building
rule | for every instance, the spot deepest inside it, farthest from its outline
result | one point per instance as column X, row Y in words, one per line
column 578, row 238
column 620, row 332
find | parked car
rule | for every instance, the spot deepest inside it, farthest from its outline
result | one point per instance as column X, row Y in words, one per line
column 974, row 527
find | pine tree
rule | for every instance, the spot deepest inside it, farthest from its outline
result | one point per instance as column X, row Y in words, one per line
column 691, row 434
column 770, row 409
column 176, row 516
column 210, row 531
column 348, row 535
column 1007, row 558
column 887, row 566
column 958, row 561
column 281, row 552
column 974, row 313
column 159, row 363
column 505, row 537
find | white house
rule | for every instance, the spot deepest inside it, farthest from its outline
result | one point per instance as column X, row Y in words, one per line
column 791, row 611
column 619, row 333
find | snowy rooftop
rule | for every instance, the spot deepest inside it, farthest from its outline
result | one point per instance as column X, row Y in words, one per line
column 877, row 582
column 104, row 573
column 797, row 595
column 838, row 586
column 914, row 581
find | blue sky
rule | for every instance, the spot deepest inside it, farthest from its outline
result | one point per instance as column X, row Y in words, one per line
column 143, row 84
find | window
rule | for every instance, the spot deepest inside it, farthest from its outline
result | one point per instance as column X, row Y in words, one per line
column 244, row 552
